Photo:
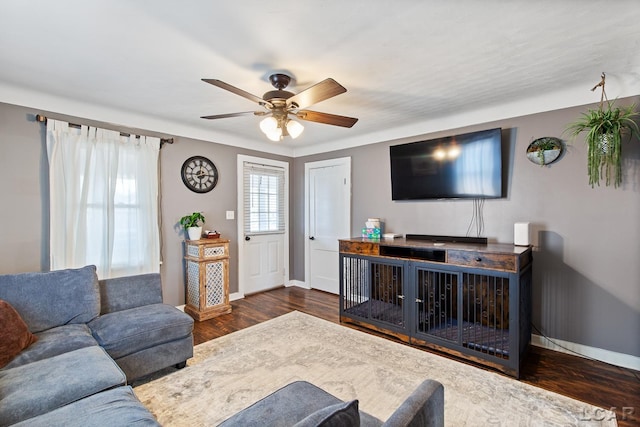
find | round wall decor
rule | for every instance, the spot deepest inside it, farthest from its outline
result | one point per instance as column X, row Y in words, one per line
column 545, row 150
column 199, row 174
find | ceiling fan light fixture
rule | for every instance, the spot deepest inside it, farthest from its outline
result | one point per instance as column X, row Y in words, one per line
column 280, row 104
column 268, row 125
column 294, row 128
column 275, row 135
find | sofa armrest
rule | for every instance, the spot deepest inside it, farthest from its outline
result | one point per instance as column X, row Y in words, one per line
column 424, row 407
column 127, row 292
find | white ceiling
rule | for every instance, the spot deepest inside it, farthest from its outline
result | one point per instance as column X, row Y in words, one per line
column 409, row 66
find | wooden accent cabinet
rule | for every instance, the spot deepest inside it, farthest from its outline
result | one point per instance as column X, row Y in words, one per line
column 207, row 265
column 466, row 299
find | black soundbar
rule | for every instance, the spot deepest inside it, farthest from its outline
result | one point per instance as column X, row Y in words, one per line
column 447, row 239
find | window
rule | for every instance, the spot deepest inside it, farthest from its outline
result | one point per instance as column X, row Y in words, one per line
column 263, row 199
column 121, row 235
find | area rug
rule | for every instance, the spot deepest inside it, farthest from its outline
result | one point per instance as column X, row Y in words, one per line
column 232, row 372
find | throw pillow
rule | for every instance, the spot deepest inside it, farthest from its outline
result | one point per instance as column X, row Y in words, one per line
column 343, row 414
column 14, row 334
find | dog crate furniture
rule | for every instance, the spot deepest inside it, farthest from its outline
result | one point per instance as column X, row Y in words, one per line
column 471, row 300
column 207, row 265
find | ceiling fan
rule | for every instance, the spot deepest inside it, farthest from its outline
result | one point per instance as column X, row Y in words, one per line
column 280, row 104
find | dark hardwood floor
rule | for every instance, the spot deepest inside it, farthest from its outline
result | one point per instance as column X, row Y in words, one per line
column 597, row 383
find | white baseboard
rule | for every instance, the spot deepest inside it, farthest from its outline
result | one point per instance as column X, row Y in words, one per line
column 298, row 283
column 235, row 296
column 607, row 356
column 238, row 295
column 180, row 307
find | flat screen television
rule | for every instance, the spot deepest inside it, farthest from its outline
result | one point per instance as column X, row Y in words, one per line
column 467, row 166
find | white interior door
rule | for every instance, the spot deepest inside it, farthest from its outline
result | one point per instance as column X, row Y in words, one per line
column 328, row 218
column 263, row 207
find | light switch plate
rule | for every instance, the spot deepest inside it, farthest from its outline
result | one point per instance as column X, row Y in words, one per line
column 231, row 214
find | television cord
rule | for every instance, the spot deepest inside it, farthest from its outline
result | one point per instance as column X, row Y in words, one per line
column 477, row 218
column 621, row 368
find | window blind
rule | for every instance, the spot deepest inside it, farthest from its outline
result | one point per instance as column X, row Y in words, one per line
column 263, row 199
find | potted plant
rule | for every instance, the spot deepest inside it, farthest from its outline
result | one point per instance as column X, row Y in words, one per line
column 545, row 150
column 605, row 128
column 193, row 224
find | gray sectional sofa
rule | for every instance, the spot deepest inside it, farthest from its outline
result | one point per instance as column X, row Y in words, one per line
column 93, row 338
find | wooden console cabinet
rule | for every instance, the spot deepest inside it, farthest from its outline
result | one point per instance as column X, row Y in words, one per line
column 466, row 299
column 207, row 264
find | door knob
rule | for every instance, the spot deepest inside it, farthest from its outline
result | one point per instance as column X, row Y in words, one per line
column 247, row 238
column 312, row 238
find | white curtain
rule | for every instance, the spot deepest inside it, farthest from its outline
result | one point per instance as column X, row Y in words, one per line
column 103, row 200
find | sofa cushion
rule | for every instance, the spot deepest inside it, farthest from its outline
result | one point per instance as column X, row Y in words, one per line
column 128, row 331
column 42, row 386
column 14, row 334
column 152, row 359
column 343, row 414
column 55, row 298
column 123, row 293
column 115, row 407
column 55, row 341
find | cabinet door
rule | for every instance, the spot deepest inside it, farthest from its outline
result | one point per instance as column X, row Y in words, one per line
column 216, row 280
column 464, row 310
column 373, row 290
column 387, row 293
column 354, row 286
column 437, row 303
column 485, row 314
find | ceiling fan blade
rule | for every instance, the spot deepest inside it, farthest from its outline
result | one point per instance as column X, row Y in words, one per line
column 244, row 113
column 237, row 91
column 327, row 119
column 326, row 89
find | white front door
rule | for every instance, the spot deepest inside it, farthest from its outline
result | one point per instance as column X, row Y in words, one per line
column 265, row 266
column 263, row 209
column 328, row 218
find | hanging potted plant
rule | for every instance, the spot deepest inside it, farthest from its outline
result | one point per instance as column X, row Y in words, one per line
column 605, row 127
column 193, row 225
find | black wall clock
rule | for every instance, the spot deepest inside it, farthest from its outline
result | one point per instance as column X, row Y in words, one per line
column 199, row 174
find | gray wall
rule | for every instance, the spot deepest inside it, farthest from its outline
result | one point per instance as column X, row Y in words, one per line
column 587, row 247
column 25, row 197
column 586, row 261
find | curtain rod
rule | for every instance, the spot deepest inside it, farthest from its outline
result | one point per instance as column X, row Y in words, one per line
column 43, row 119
